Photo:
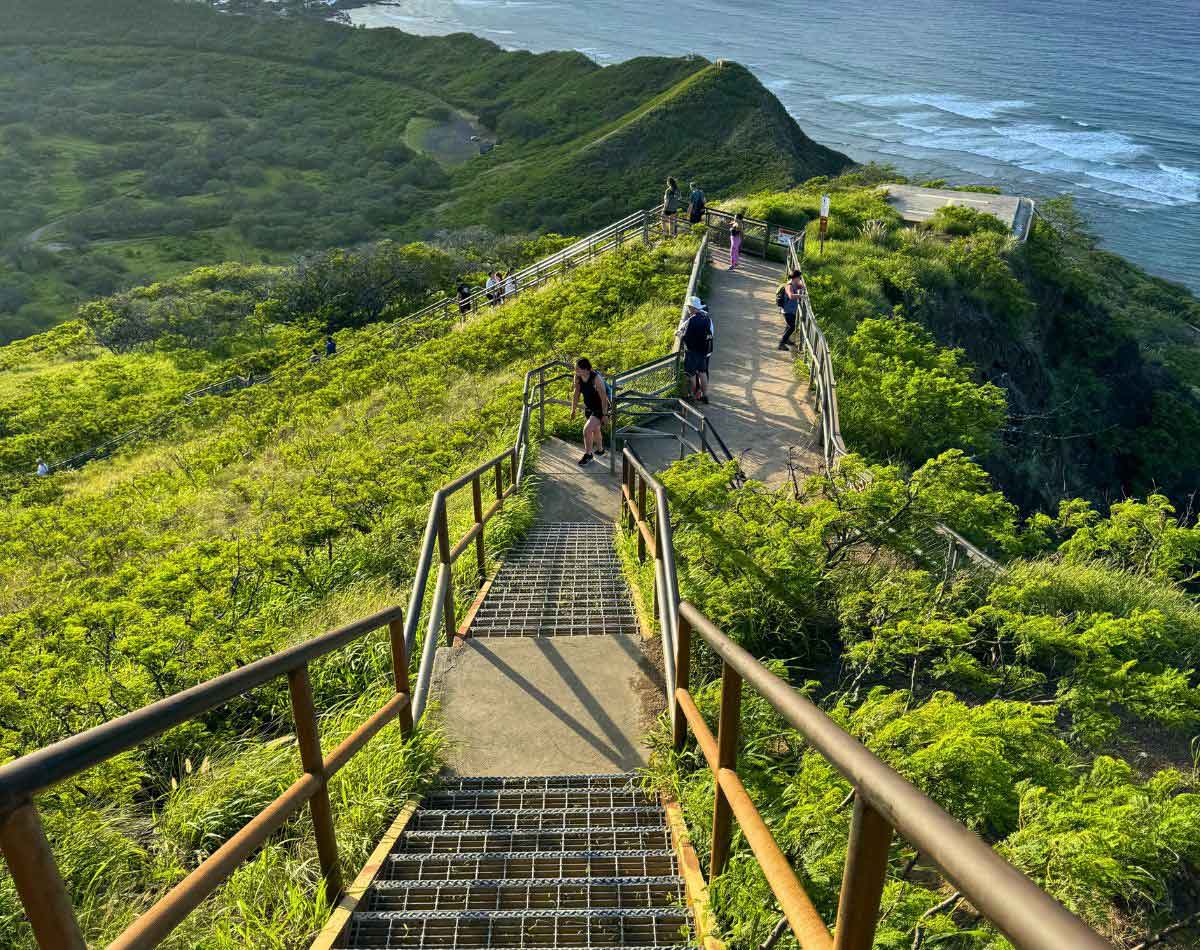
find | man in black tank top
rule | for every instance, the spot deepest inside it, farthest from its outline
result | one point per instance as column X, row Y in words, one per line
column 590, row 385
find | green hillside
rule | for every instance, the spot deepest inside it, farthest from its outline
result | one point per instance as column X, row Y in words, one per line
column 138, row 140
column 253, row 521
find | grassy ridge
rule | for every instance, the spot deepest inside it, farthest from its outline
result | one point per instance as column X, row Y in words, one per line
column 140, row 141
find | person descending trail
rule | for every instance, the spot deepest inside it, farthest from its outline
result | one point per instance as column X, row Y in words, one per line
column 464, row 299
column 330, row 346
column 492, row 287
column 590, row 385
column 42, row 468
column 696, row 204
column 697, row 331
column 671, row 208
column 510, row 286
column 735, row 240
column 789, row 299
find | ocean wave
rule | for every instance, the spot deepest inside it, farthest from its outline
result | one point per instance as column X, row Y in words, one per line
column 1108, row 147
column 958, row 105
column 1168, row 185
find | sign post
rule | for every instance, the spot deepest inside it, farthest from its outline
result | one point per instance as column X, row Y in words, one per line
column 824, row 221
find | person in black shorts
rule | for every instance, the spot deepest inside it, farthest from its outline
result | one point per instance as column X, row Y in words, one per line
column 696, row 330
column 590, row 385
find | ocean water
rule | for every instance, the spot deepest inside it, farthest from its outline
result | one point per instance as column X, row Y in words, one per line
column 1093, row 97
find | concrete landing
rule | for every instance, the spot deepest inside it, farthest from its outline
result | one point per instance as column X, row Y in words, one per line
column 546, row 706
column 758, row 405
column 569, row 492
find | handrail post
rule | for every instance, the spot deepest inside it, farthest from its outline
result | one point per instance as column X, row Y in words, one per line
column 444, row 552
column 477, row 501
column 499, row 479
column 400, row 674
column 863, row 878
column 38, row 881
column 512, row 468
column 646, row 227
column 683, row 681
column 312, row 760
column 541, row 403
column 641, row 537
column 727, row 743
column 624, row 515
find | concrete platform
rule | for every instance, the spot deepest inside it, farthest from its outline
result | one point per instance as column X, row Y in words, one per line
column 917, row 205
column 570, row 492
column 546, row 706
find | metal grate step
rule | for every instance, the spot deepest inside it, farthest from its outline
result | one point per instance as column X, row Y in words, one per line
column 588, row 780
column 541, row 929
column 561, row 580
column 571, row 839
column 533, row 864
column 573, row 893
column 553, row 798
column 545, row 819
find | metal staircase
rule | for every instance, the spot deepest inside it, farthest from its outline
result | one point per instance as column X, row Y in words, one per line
column 563, row 579
column 546, row 862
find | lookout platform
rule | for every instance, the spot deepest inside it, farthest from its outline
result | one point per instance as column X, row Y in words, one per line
column 917, row 205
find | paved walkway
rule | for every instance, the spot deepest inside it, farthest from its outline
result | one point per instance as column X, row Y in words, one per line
column 757, row 403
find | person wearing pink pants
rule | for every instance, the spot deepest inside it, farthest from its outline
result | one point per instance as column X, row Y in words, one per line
column 735, row 240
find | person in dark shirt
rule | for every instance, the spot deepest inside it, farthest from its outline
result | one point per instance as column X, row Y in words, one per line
column 590, row 386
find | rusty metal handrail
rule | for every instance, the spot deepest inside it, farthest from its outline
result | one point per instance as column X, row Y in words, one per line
column 27, row 852
column 883, row 801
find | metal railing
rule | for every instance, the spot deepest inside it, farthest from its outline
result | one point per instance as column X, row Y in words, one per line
column 884, row 801
column 22, row 838
column 23, row 841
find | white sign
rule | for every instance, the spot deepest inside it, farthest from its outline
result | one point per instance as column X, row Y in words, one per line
column 784, row 237
column 824, row 206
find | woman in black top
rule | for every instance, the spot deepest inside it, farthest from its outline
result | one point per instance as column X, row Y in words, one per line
column 590, row 385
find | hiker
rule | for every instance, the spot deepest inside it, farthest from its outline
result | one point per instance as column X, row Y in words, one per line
column 696, row 330
column 696, row 204
column 42, row 468
column 493, row 295
column 330, row 346
column 671, row 208
column 735, row 240
column 789, row 300
column 464, row 299
column 510, row 285
column 316, row 356
column 590, row 385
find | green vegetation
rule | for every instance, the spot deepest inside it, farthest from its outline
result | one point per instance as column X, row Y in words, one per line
column 1096, row 359
column 254, row 520
column 143, row 139
column 1048, row 706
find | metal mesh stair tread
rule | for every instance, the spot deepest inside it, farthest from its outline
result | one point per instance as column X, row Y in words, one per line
column 546, row 862
column 562, row 579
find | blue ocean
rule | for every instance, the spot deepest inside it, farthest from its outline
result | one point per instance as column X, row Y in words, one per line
column 1092, row 97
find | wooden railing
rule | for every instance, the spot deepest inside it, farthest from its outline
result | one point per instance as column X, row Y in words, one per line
column 884, row 801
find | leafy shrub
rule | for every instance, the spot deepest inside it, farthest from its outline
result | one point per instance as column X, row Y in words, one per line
column 901, row 395
column 960, row 220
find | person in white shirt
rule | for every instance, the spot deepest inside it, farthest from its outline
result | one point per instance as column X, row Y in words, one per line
column 491, row 288
column 42, row 468
column 510, row 285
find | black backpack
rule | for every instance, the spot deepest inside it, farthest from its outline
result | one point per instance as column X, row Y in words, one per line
column 781, row 296
column 698, row 335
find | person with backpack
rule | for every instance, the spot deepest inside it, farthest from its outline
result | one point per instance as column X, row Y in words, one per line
column 696, row 331
column 696, row 204
column 671, row 208
column 789, row 299
column 589, row 385
column 735, row 240
column 464, row 299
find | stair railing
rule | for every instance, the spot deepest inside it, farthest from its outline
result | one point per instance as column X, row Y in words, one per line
column 29, row 856
column 884, row 801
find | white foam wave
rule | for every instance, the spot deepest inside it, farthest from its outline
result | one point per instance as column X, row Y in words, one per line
column 1086, row 146
column 954, row 104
